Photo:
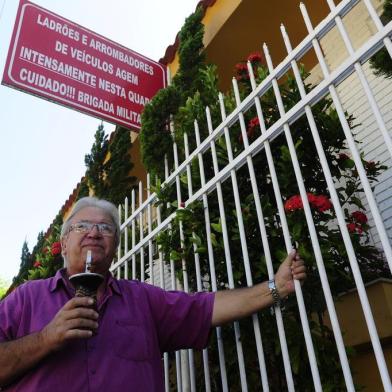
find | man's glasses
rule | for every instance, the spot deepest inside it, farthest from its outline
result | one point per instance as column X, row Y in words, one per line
column 104, row 229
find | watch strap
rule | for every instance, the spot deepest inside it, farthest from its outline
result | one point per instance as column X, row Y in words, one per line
column 274, row 292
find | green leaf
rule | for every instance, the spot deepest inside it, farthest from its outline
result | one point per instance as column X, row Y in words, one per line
column 213, row 240
column 201, row 249
column 348, row 164
column 217, row 226
column 297, row 231
column 184, row 178
column 355, row 200
column 196, row 239
column 174, row 255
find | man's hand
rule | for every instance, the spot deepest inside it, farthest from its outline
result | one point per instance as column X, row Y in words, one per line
column 292, row 267
column 75, row 320
column 234, row 304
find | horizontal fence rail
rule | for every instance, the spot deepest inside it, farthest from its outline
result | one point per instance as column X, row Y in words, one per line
column 233, row 186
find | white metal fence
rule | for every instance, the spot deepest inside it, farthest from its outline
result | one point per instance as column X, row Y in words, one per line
column 143, row 220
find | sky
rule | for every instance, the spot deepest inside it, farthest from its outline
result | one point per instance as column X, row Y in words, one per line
column 42, row 145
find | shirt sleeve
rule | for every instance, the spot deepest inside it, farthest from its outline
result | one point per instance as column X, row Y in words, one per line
column 182, row 320
column 10, row 314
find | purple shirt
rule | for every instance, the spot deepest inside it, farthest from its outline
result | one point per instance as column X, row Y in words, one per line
column 137, row 323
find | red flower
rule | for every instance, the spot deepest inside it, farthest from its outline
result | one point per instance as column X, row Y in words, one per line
column 254, row 122
column 354, row 228
column 255, row 57
column 320, row 203
column 293, row 203
column 359, row 217
column 241, row 71
column 252, row 125
column 370, row 165
column 37, row 264
column 343, row 157
column 241, row 67
column 56, row 248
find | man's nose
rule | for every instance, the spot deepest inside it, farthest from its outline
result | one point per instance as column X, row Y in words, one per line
column 94, row 232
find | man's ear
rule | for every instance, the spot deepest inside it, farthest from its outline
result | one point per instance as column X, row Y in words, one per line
column 63, row 242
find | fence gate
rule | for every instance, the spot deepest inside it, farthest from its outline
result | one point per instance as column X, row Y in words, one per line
column 235, row 206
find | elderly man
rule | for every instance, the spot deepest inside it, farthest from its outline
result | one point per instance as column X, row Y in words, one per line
column 51, row 340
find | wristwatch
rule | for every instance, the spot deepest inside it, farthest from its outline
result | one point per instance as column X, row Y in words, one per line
column 274, row 292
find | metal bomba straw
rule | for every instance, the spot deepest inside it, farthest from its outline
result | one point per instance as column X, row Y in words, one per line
column 88, row 261
column 87, row 283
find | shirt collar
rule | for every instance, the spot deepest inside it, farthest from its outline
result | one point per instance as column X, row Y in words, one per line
column 58, row 279
column 113, row 283
column 61, row 279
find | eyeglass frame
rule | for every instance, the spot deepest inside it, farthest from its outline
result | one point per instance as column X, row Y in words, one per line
column 92, row 225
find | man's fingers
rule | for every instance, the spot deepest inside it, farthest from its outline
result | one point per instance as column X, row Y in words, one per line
column 300, row 276
column 81, row 323
column 78, row 301
column 86, row 313
column 78, row 334
column 297, row 263
column 291, row 257
column 298, row 268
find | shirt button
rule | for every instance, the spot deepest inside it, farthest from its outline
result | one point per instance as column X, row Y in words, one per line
column 93, row 371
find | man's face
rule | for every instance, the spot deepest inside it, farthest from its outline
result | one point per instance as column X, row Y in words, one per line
column 75, row 245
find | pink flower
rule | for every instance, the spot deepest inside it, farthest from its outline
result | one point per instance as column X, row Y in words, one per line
column 37, row 264
column 351, row 227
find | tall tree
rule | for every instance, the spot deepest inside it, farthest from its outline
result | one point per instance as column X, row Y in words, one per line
column 25, row 264
column 108, row 166
column 118, row 181
column 95, row 162
column 25, row 257
column 155, row 137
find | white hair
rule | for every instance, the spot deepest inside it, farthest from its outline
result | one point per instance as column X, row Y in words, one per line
column 108, row 207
